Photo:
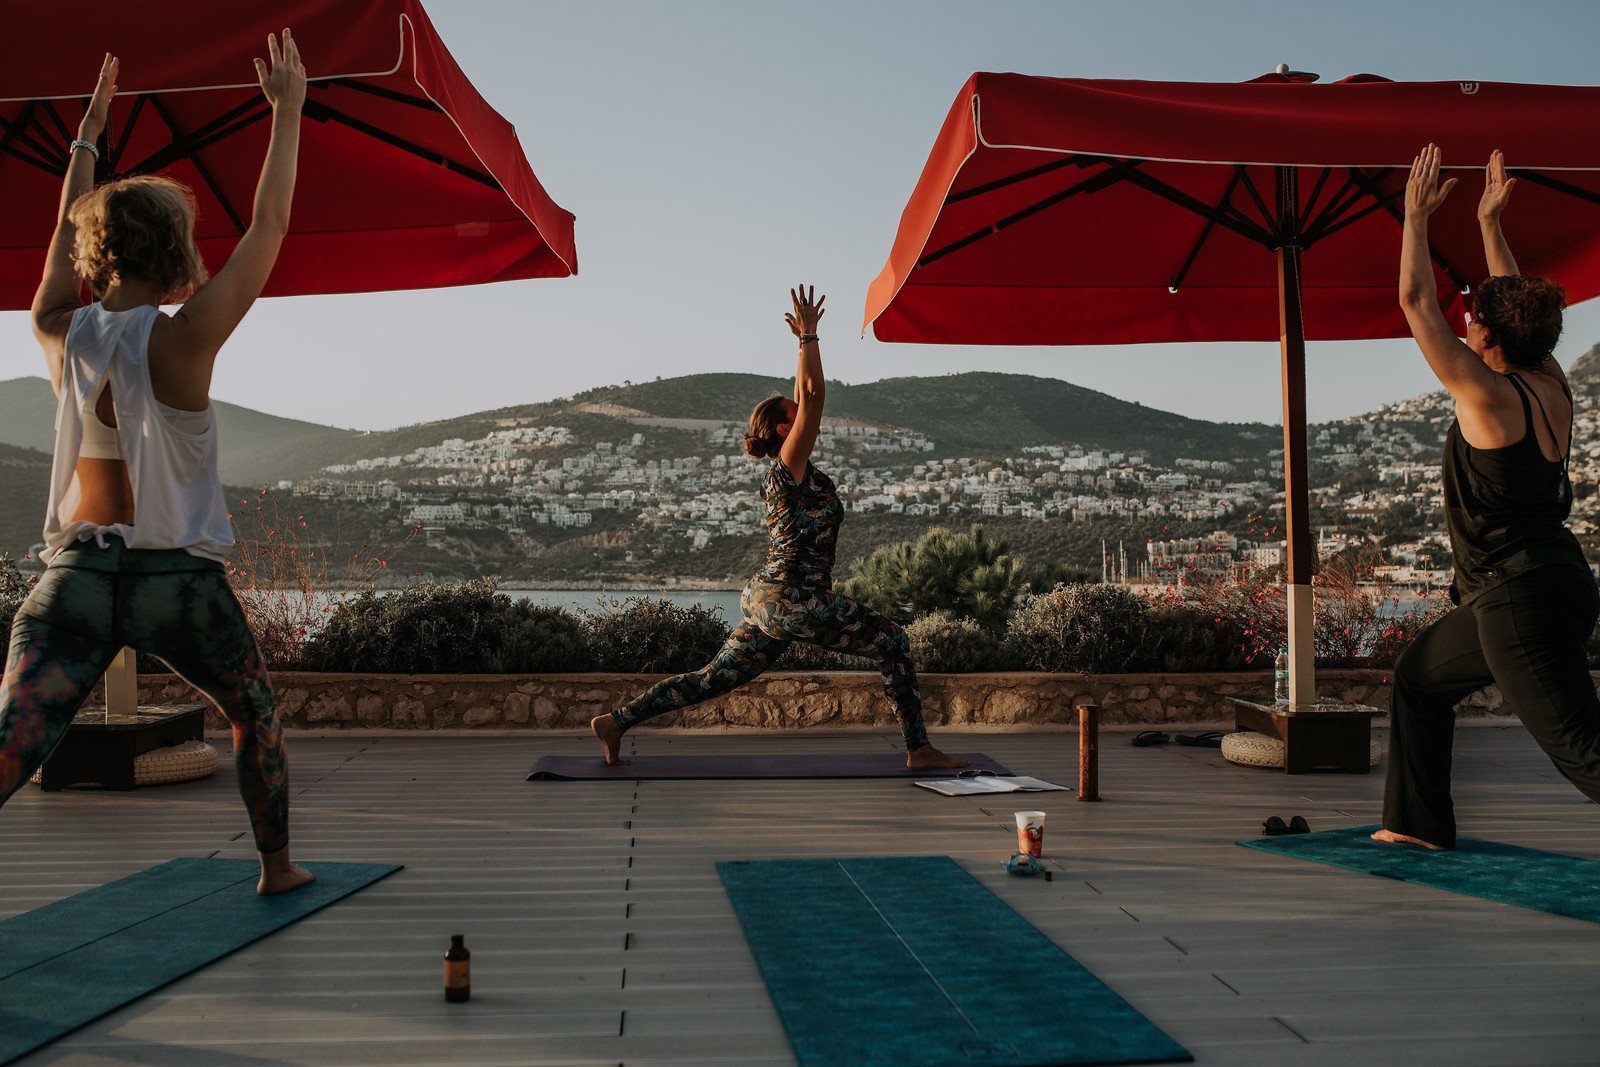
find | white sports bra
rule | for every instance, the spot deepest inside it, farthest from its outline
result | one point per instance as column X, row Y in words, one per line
column 99, row 440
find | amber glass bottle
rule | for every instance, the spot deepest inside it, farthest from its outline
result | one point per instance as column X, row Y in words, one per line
column 458, row 970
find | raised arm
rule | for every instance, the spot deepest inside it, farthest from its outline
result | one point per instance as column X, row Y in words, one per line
column 209, row 317
column 1459, row 368
column 60, row 290
column 1496, row 194
column 810, row 389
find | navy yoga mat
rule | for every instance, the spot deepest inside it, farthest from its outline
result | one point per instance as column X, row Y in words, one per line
column 909, row 960
column 1526, row 877
column 787, row 765
column 68, row 963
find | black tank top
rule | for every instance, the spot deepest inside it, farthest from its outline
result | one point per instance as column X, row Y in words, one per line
column 1506, row 508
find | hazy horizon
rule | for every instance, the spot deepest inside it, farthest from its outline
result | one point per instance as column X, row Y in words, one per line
column 717, row 152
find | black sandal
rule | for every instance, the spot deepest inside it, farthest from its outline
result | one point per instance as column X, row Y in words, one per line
column 1146, row 738
column 1209, row 739
column 1276, row 827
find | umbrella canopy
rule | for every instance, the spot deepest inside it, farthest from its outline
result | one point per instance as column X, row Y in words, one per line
column 1067, row 211
column 1071, row 211
column 407, row 178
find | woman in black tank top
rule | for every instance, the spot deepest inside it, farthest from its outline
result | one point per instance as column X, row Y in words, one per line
column 1526, row 599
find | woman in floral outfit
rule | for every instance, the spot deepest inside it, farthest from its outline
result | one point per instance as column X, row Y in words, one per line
column 791, row 598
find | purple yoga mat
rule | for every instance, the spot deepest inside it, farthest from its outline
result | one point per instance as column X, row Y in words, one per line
column 783, row 765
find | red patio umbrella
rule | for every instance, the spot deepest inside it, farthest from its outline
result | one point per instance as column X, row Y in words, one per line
column 1059, row 211
column 407, row 179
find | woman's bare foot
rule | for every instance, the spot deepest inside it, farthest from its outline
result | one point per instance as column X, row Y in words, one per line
column 279, row 875
column 928, row 756
column 610, row 735
column 1392, row 838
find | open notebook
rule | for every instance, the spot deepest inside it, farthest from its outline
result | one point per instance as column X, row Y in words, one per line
column 972, row 783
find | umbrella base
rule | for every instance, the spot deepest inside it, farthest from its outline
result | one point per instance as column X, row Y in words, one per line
column 1323, row 737
column 100, row 746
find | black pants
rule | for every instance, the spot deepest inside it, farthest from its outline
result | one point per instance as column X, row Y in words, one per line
column 1526, row 636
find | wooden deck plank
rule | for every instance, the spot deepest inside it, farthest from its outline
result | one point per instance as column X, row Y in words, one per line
column 601, row 934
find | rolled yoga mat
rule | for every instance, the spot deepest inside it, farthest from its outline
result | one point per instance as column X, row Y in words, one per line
column 783, row 765
column 1526, row 877
column 910, row 960
column 68, row 963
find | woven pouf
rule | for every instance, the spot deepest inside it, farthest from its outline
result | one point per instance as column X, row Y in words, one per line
column 175, row 763
column 1259, row 750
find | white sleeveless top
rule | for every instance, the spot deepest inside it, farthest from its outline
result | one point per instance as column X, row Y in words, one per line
column 171, row 454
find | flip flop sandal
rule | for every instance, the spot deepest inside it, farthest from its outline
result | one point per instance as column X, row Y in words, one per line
column 1298, row 825
column 1209, row 739
column 1146, row 738
column 1275, row 827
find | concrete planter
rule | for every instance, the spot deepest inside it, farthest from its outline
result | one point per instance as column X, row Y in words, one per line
column 779, row 700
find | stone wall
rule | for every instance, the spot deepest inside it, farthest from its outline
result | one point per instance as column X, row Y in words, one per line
column 779, row 699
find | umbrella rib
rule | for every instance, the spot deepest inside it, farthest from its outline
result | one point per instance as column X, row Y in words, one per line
column 1361, row 186
column 201, row 168
column 1388, row 205
column 323, row 113
column 1559, row 186
column 1311, row 201
column 44, row 160
column 1092, row 184
column 1335, row 206
column 1239, row 224
column 387, row 94
column 1205, row 233
column 1020, row 176
column 224, row 125
column 1271, row 224
column 127, row 130
column 1379, row 203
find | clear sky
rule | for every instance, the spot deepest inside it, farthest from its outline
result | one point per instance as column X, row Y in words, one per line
column 716, row 152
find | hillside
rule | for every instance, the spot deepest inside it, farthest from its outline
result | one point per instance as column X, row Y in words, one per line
column 975, row 412
column 257, row 447
column 24, row 488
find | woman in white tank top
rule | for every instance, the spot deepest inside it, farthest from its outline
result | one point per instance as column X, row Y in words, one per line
column 136, row 528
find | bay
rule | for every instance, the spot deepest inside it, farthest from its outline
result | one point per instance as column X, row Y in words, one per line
column 591, row 599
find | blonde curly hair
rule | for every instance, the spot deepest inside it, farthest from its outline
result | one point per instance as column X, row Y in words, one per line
column 139, row 228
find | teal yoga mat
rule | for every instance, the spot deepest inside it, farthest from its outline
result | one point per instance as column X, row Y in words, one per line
column 68, row 963
column 1526, row 877
column 910, row 960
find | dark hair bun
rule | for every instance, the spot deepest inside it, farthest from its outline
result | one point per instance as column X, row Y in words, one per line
column 761, row 447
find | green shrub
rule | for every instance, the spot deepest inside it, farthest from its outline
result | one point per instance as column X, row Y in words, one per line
column 942, row 644
column 1094, row 629
column 963, row 575
column 1188, row 637
column 800, row 656
column 465, row 628
column 644, row 635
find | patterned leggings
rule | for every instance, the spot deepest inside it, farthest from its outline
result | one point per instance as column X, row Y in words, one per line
column 773, row 616
column 94, row 601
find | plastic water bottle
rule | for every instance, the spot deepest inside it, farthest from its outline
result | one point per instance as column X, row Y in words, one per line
column 1280, row 677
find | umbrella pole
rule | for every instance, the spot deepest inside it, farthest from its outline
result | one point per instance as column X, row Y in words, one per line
column 1301, row 558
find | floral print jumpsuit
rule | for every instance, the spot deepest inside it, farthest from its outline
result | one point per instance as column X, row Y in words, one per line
column 792, row 599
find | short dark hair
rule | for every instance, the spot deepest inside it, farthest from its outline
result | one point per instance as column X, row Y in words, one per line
column 1522, row 315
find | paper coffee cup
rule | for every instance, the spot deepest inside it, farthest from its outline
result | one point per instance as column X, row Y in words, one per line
column 1030, row 832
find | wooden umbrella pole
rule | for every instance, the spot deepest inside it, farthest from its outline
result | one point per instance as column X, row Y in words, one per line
column 1301, row 555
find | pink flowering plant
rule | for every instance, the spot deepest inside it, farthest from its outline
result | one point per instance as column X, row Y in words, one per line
column 289, row 577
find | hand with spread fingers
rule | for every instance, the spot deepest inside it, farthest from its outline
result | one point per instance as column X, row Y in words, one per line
column 95, row 117
column 1496, row 187
column 282, row 75
column 807, row 311
column 1424, row 194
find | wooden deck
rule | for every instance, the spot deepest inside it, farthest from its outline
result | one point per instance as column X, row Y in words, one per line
column 601, row 935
